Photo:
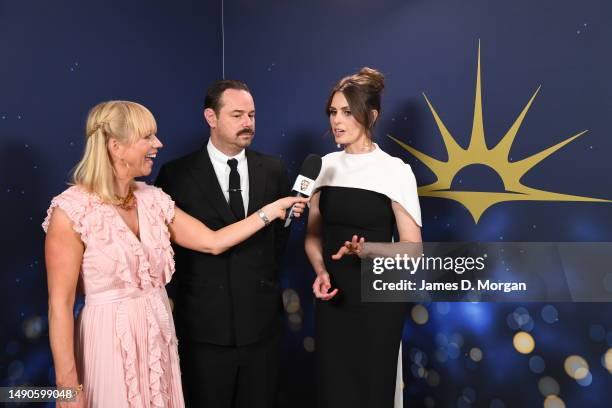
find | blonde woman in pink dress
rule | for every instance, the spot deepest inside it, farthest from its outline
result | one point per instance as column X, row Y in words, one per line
column 109, row 238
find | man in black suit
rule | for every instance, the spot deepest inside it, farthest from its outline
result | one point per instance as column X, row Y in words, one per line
column 228, row 307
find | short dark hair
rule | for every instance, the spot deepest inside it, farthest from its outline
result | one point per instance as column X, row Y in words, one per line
column 362, row 92
column 214, row 93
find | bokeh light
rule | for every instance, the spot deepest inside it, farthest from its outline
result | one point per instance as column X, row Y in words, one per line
column 33, row 327
column 520, row 319
column 419, row 314
column 608, row 360
column 537, row 364
column 295, row 322
column 441, row 355
column 548, row 386
column 309, row 344
column 453, row 351
column 523, row 342
column 586, row 381
column 418, row 357
column 476, row 354
column 597, row 332
column 433, row 378
column 456, row 338
column 418, row 371
column 550, row 314
column 291, row 301
column 553, row 401
column 576, row 367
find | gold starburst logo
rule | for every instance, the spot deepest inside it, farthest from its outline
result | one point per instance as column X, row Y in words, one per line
column 496, row 158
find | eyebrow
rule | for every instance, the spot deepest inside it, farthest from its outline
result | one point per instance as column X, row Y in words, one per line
column 241, row 111
column 342, row 108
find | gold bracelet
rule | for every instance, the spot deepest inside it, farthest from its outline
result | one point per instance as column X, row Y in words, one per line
column 77, row 390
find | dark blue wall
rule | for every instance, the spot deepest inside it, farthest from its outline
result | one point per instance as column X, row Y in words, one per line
column 291, row 54
column 60, row 58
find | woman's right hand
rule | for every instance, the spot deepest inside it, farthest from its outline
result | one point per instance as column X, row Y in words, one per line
column 278, row 208
column 321, row 287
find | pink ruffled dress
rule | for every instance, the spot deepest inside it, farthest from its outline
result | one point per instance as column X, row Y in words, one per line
column 126, row 347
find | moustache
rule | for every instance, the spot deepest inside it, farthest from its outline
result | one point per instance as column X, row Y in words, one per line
column 246, row 131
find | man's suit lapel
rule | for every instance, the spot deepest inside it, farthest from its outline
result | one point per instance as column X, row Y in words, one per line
column 206, row 178
column 257, row 182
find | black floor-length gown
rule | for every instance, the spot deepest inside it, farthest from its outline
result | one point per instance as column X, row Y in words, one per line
column 357, row 343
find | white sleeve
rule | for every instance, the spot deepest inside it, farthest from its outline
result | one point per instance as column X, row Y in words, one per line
column 404, row 192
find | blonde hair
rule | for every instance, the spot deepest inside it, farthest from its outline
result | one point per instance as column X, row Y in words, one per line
column 122, row 120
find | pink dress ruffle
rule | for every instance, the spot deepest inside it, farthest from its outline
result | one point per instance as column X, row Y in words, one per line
column 125, row 342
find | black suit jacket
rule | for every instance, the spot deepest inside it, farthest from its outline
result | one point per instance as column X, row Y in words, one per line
column 232, row 298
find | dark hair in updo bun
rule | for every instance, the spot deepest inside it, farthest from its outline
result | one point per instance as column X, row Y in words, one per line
column 362, row 92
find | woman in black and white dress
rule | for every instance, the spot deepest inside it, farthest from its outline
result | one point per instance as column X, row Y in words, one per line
column 361, row 191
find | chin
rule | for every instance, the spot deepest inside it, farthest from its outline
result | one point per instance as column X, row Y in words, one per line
column 341, row 140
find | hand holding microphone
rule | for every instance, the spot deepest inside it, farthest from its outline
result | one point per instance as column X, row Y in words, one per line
column 281, row 207
column 304, row 183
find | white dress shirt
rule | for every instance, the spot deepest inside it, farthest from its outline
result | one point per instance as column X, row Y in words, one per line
column 222, row 170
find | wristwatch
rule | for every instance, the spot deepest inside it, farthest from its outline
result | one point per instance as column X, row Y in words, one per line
column 263, row 217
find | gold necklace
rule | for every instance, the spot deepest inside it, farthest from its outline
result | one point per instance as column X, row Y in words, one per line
column 128, row 202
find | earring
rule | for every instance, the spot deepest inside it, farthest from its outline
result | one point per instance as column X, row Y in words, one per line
column 126, row 164
column 338, row 145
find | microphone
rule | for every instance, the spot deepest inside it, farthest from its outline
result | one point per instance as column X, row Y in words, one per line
column 304, row 183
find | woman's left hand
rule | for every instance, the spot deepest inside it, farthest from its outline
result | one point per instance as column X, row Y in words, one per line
column 353, row 247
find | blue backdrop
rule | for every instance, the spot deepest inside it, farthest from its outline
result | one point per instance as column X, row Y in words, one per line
column 61, row 58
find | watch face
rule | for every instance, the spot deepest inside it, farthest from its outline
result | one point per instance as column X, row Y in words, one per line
column 263, row 216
